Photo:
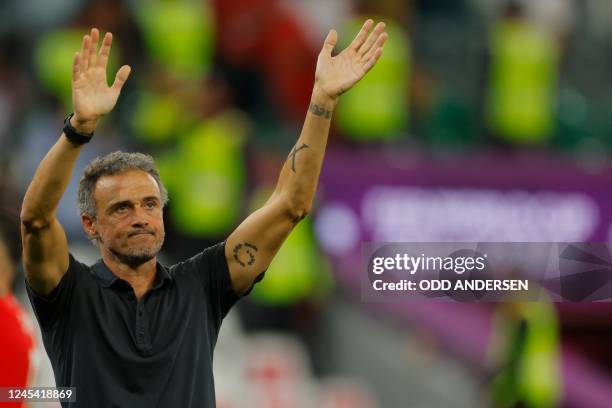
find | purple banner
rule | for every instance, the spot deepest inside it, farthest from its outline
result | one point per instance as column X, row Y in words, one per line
column 399, row 197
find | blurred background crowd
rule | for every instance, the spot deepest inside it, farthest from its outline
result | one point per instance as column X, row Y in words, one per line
column 484, row 120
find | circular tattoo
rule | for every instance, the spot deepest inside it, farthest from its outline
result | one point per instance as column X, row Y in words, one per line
column 244, row 254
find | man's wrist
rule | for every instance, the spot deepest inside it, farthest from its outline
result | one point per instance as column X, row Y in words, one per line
column 84, row 127
column 322, row 98
column 322, row 104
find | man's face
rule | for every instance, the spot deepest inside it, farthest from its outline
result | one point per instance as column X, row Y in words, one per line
column 129, row 219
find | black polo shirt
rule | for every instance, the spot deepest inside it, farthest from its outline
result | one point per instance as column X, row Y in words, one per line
column 120, row 352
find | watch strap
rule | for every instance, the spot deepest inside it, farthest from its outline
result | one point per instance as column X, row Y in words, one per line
column 73, row 135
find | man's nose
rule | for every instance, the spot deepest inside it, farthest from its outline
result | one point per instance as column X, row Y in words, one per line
column 140, row 218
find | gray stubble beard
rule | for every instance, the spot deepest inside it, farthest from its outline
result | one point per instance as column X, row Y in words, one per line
column 135, row 257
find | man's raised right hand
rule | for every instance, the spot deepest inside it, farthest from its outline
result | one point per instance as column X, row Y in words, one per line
column 92, row 98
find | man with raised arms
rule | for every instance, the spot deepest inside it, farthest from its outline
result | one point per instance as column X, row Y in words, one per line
column 128, row 331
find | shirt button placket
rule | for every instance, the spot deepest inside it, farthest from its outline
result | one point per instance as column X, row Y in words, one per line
column 139, row 325
column 142, row 336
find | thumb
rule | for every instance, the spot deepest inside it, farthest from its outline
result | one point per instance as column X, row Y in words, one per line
column 330, row 42
column 121, row 77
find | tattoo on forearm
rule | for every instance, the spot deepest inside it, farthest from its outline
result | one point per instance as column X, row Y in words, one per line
column 294, row 152
column 244, row 251
column 319, row 111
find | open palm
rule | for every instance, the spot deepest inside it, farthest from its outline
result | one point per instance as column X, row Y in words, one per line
column 91, row 96
column 336, row 75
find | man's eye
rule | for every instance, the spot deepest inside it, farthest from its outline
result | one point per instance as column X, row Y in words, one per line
column 122, row 208
column 151, row 204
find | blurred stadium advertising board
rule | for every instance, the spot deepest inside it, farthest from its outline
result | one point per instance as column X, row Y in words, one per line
column 391, row 196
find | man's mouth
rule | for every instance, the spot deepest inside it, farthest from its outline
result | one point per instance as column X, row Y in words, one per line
column 132, row 234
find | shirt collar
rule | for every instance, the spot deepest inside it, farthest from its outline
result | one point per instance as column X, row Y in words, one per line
column 108, row 278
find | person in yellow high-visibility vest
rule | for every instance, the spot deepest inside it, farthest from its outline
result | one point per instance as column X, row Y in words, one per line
column 179, row 38
column 361, row 116
column 206, row 176
column 522, row 80
column 52, row 57
column 179, row 35
column 526, row 340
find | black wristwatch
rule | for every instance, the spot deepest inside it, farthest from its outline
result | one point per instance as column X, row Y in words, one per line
column 73, row 136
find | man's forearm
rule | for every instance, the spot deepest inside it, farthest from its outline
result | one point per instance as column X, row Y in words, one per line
column 51, row 180
column 300, row 173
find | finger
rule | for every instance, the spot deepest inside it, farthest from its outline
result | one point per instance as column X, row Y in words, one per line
column 380, row 42
column 361, row 35
column 121, row 77
column 105, row 50
column 372, row 61
column 330, row 42
column 84, row 54
column 76, row 70
column 93, row 47
column 380, row 27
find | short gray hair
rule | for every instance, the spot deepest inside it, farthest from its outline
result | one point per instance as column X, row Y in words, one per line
column 113, row 163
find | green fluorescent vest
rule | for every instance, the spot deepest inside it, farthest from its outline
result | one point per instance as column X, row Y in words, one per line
column 376, row 108
column 206, row 177
column 522, row 82
column 53, row 57
column 179, row 35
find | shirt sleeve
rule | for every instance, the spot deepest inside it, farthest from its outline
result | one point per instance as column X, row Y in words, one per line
column 212, row 270
column 50, row 308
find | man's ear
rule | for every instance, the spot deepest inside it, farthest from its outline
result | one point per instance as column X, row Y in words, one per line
column 89, row 225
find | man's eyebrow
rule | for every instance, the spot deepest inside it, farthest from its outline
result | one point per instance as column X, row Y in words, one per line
column 118, row 203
